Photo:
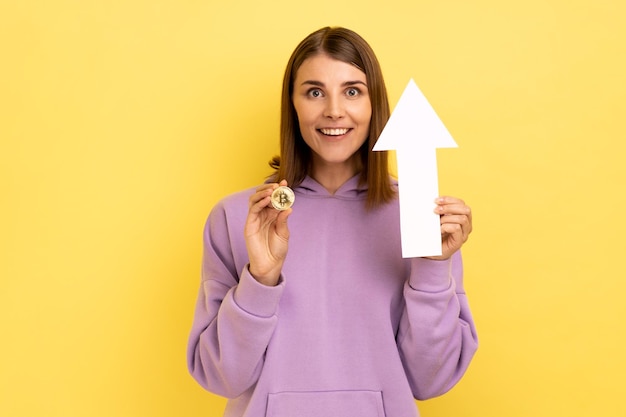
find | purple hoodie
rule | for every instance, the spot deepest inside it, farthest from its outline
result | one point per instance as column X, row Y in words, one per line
column 351, row 330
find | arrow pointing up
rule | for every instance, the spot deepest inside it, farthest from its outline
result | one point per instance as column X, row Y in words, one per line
column 414, row 131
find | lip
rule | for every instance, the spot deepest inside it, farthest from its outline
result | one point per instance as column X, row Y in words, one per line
column 334, row 132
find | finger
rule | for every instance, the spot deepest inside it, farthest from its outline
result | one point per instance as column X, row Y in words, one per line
column 259, row 200
column 464, row 221
column 263, row 191
column 446, row 199
column 456, row 218
column 453, row 234
column 270, row 186
column 282, row 229
column 453, row 208
column 267, row 185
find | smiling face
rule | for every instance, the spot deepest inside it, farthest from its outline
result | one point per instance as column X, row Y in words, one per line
column 334, row 110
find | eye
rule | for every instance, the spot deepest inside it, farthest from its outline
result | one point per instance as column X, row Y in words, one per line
column 353, row 92
column 314, row 93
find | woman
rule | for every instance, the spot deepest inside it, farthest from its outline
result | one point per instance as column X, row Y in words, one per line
column 312, row 311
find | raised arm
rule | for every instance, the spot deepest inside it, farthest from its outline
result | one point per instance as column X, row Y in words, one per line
column 235, row 314
column 437, row 337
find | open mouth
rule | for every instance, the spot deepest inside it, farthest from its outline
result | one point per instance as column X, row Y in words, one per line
column 334, row 132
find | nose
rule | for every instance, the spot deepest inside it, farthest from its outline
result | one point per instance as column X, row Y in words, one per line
column 334, row 108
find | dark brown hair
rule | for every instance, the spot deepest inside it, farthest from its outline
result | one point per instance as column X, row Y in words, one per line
column 294, row 161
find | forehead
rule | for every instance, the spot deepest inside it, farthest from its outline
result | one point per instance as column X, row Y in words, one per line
column 322, row 67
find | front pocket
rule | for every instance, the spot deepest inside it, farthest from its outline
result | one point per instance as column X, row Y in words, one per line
column 326, row 404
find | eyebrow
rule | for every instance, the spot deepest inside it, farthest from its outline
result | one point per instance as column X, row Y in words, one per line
column 344, row 84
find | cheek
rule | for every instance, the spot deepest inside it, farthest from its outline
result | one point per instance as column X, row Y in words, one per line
column 367, row 120
column 305, row 127
column 303, row 114
column 366, row 113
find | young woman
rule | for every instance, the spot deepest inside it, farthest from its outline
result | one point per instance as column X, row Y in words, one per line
column 312, row 311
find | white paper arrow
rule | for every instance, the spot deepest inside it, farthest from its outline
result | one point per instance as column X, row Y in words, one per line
column 414, row 131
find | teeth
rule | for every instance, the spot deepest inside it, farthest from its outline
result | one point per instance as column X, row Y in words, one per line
column 334, row 132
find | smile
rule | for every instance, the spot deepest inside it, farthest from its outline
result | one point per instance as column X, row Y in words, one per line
column 334, row 132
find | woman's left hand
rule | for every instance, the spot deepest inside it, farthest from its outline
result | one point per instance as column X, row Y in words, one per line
column 456, row 225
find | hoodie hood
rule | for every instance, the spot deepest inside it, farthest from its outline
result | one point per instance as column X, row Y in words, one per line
column 351, row 189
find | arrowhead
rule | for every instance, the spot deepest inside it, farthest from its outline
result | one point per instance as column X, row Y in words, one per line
column 414, row 124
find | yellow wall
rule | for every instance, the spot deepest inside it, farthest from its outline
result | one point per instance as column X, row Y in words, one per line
column 122, row 122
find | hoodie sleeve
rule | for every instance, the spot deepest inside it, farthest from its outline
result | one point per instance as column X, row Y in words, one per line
column 437, row 337
column 235, row 316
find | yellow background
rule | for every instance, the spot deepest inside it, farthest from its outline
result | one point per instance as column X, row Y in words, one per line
column 122, row 123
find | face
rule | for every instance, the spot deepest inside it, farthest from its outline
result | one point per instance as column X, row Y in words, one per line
column 334, row 110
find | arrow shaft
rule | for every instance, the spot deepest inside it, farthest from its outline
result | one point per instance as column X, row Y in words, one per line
column 418, row 189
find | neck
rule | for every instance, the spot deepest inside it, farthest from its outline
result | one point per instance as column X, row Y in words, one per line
column 333, row 176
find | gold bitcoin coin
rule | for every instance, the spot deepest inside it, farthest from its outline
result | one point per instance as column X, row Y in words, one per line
column 283, row 198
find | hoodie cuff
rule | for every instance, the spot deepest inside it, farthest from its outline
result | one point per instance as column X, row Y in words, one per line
column 255, row 298
column 430, row 275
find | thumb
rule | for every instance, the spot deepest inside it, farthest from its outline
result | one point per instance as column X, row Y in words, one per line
column 282, row 228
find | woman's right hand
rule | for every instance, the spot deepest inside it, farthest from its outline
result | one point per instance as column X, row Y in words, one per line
column 266, row 235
